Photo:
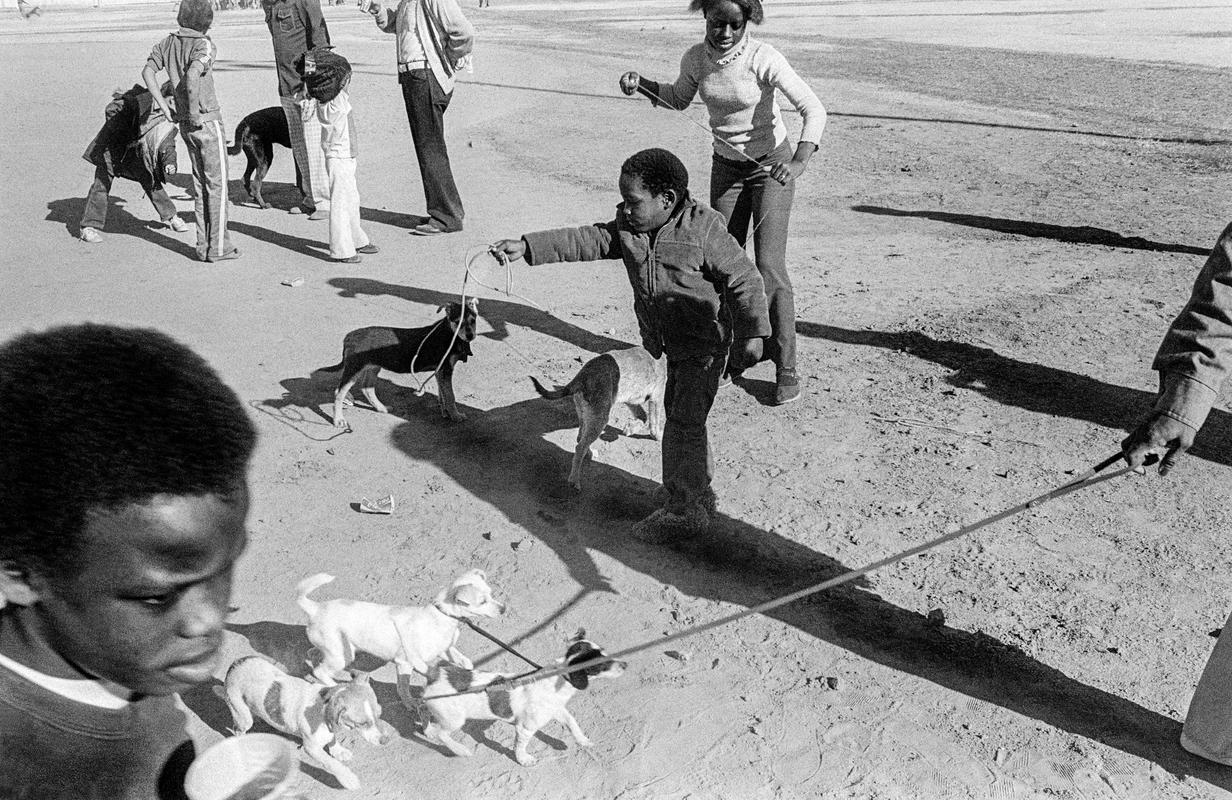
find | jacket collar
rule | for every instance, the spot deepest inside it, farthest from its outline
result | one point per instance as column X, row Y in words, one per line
column 189, row 33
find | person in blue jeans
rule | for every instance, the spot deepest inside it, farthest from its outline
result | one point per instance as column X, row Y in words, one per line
column 697, row 298
column 754, row 169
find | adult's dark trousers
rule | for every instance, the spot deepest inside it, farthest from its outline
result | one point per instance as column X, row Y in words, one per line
column 426, row 103
column 94, row 215
column 742, row 193
column 688, row 465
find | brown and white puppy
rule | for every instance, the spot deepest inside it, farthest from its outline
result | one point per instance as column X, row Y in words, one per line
column 632, row 377
column 527, row 707
column 366, row 351
column 412, row 637
column 316, row 714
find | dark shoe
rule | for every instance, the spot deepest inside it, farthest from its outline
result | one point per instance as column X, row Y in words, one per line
column 430, row 228
column 427, row 229
column 369, row 249
column 300, row 209
column 235, row 253
column 663, row 525
column 355, row 259
column 787, row 387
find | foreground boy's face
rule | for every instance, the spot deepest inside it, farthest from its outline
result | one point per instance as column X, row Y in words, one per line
column 643, row 211
column 147, row 606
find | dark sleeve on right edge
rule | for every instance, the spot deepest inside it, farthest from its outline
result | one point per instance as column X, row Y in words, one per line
column 1195, row 358
column 587, row 243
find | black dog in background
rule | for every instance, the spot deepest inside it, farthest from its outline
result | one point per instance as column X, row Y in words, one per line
column 256, row 135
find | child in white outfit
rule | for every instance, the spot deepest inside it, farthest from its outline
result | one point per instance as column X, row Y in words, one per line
column 326, row 76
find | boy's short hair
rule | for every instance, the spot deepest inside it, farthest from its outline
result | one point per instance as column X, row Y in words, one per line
column 197, row 15
column 97, row 417
column 752, row 8
column 659, row 170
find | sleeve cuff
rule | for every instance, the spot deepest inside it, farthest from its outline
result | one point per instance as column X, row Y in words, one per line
column 1184, row 399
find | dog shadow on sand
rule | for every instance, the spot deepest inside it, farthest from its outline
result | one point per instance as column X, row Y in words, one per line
column 501, row 458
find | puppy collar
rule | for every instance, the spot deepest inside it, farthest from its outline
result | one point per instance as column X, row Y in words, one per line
column 437, row 606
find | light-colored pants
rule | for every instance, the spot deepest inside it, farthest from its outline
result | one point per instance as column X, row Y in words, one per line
column 207, row 149
column 305, row 131
column 345, row 234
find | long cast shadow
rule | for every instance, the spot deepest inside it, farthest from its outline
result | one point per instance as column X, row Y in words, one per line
column 1030, row 386
column 1073, row 234
column 500, row 457
column 497, row 313
column 119, row 221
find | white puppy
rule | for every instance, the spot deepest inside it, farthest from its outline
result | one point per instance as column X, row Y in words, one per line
column 316, row 714
column 528, row 707
column 412, row 637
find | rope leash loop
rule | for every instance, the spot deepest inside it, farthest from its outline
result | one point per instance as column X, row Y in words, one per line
column 1081, row 481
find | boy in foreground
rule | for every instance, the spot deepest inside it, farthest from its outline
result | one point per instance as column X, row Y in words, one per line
column 694, row 292
column 123, row 481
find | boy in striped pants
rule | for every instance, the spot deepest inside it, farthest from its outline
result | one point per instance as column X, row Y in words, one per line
column 187, row 56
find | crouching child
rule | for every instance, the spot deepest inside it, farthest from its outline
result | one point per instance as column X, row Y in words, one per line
column 694, row 293
column 138, row 143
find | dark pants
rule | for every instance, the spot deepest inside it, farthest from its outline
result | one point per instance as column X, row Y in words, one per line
column 95, row 213
column 739, row 190
column 688, row 466
column 426, row 103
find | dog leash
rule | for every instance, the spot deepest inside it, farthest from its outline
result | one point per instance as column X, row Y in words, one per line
column 499, row 643
column 1082, row 481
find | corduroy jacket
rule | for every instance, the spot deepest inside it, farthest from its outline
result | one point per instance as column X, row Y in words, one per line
column 694, row 289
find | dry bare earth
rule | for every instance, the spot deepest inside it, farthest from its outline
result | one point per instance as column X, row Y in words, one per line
column 986, row 252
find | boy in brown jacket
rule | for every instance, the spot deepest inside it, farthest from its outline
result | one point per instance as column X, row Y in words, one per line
column 694, row 292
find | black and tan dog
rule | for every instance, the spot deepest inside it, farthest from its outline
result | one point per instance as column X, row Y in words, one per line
column 256, row 135
column 366, row 351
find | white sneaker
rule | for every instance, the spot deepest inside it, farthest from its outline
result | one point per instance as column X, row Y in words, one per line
column 91, row 235
column 178, row 225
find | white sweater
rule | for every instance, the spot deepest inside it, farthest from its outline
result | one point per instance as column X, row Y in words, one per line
column 738, row 90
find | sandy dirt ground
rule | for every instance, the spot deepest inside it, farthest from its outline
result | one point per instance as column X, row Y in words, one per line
column 1009, row 206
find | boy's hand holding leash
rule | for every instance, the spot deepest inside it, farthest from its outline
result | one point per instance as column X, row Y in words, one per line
column 508, row 249
column 1158, row 433
column 629, row 83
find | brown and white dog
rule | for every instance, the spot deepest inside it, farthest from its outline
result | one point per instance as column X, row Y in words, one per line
column 316, row 714
column 366, row 351
column 630, row 376
column 412, row 637
column 528, row 707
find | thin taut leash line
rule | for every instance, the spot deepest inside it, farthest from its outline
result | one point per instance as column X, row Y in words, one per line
column 1085, row 480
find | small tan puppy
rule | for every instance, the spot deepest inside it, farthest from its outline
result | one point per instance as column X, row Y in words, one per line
column 632, row 377
column 412, row 637
column 317, row 714
column 527, row 707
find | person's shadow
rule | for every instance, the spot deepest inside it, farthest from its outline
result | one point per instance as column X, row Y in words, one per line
column 1034, row 387
column 501, row 458
column 119, row 221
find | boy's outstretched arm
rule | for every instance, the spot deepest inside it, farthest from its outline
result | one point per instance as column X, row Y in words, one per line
column 586, row 243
